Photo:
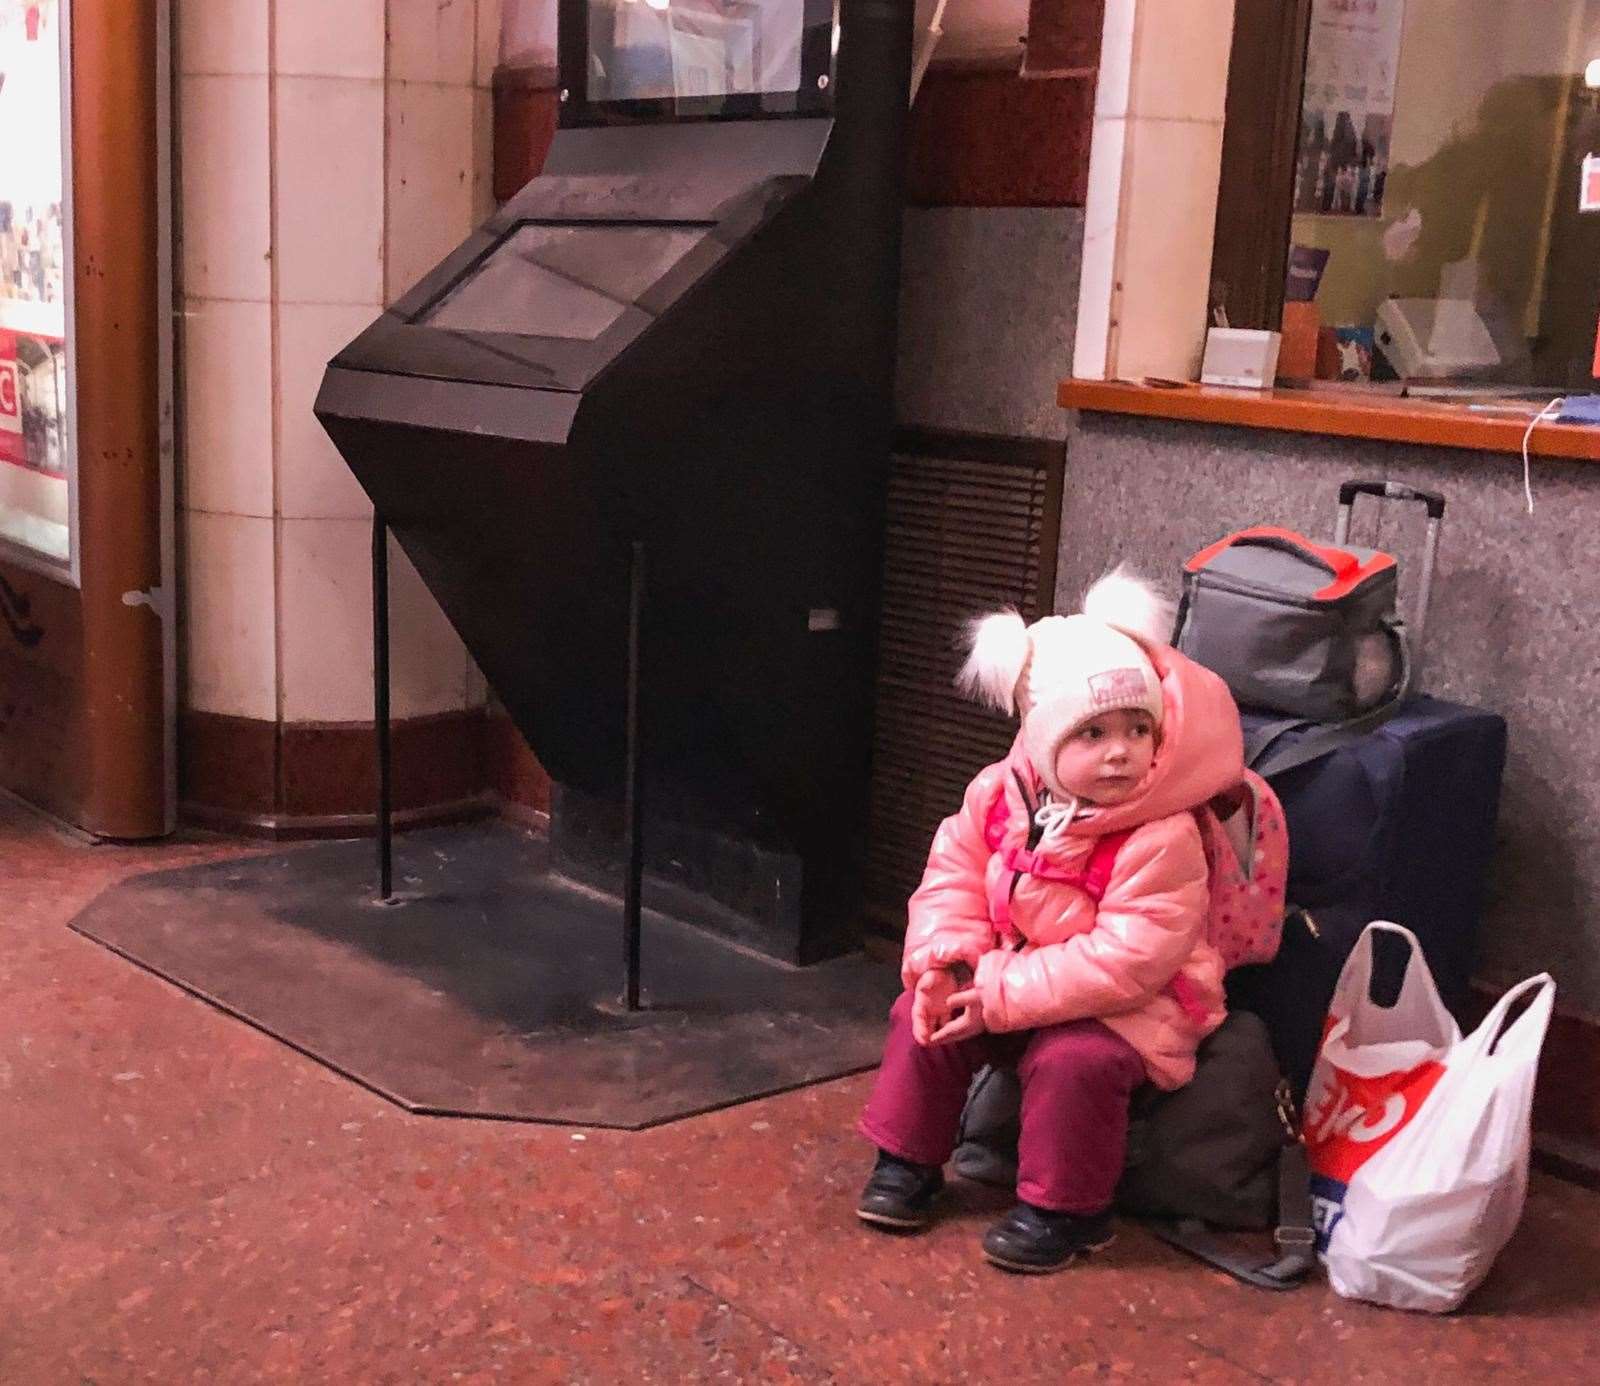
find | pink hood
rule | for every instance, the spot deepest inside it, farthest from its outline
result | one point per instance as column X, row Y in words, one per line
column 1201, row 752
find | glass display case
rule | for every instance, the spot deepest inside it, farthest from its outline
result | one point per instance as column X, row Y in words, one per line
column 36, row 399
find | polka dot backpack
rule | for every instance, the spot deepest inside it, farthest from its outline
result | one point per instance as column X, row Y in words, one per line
column 1246, row 843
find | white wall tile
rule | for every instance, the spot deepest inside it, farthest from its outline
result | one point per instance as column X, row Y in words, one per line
column 329, row 38
column 431, row 163
column 1097, row 284
column 1168, row 211
column 1180, row 59
column 227, row 406
column 225, row 199
column 330, row 190
column 483, row 203
column 1116, row 57
column 528, row 32
column 429, row 661
column 326, row 613
column 219, row 36
column 327, row 629
column 488, row 47
column 230, row 662
column 313, row 480
column 432, row 41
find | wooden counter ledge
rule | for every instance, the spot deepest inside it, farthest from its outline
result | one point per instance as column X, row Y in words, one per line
column 1342, row 413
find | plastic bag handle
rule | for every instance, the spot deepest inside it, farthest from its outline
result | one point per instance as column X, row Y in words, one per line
column 1525, row 1035
column 1361, row 955
column 1361, row 960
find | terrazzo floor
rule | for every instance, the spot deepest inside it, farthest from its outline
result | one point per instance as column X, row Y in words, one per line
column 182, row 1199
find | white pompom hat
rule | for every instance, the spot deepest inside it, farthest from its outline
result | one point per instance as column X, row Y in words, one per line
column 1062, row 670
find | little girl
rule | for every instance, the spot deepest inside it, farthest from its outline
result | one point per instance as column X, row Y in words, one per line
column 1061, row 922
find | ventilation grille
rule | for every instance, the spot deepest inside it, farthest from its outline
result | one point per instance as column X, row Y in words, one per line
column 972, row 526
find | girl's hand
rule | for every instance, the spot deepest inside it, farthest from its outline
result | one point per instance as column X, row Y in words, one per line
column 930, row 1003
column 966, row 1008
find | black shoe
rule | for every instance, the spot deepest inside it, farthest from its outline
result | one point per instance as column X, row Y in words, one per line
column 1036, row 1241
column 899, row 1195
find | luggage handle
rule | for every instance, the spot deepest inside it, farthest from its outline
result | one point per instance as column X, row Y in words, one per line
column 1396, row 490
column 1390, row 490
column 1344, row 567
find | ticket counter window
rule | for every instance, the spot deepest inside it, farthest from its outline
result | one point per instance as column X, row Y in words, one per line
column 1444, row 232
column 36, row 454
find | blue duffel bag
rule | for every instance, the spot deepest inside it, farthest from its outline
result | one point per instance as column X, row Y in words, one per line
column 1396, row 824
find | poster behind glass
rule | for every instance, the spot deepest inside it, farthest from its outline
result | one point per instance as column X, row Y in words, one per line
column 1352, row 60
column 35, row 357
column 650, row 50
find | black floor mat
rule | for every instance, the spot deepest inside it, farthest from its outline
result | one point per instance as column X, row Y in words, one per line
column 491, row 988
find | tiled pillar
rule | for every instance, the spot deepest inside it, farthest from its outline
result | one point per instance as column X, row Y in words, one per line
column 332, row 153
column 1152, row 199
column 228, row 492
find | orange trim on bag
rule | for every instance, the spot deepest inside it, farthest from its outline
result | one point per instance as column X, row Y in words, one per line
column 1348, row 571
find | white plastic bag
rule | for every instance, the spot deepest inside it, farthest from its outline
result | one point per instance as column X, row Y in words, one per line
column 1418, row 1139
column 1376, row 1066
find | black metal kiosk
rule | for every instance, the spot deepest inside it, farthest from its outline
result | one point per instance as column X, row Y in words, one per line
column 633, row 433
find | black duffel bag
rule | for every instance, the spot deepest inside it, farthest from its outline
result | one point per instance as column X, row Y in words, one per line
column 1219, row 1153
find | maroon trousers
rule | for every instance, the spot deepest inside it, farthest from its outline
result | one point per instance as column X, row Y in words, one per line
column 1077, row 1080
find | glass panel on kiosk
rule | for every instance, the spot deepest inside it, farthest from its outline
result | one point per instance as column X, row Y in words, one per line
column 644, row 51
column 626, row 60
column 562, row 281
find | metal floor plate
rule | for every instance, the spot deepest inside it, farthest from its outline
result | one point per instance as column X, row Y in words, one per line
column 490, row 989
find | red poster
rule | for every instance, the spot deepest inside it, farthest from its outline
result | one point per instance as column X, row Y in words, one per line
column 13, row 446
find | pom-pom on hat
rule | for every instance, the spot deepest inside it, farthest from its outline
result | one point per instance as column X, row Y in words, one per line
column 1062, row 670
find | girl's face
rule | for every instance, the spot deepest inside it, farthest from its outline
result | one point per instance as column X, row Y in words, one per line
column 1106, row 758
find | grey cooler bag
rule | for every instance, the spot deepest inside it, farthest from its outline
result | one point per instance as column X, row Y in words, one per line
column 1306, row 630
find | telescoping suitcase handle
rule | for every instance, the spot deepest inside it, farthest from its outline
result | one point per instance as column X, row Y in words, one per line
column 1394, row 490
column 1389, row 490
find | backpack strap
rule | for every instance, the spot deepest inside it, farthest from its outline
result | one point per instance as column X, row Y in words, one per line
column 1102, row 861
column 1295, row 1237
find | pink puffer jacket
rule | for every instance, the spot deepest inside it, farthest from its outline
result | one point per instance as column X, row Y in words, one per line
column 1139, row 962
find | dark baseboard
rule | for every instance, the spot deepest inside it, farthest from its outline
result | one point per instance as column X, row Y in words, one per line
column 282, row 827
column 532, row 820
column 258, row 779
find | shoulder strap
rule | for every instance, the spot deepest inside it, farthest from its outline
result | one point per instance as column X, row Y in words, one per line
column 1102, row 861
column 1326, row 738
column 1295, row 1237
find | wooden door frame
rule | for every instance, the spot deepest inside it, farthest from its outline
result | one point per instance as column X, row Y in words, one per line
column 1261, row 135
column 87, row 734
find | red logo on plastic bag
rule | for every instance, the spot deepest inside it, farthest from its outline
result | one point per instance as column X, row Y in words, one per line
column 1349, row 1119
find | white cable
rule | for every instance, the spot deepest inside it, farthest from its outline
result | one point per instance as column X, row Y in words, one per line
column 1527, row 462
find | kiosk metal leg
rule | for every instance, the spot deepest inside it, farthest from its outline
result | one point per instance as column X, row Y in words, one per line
column 380, row 705
column 632, row 803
